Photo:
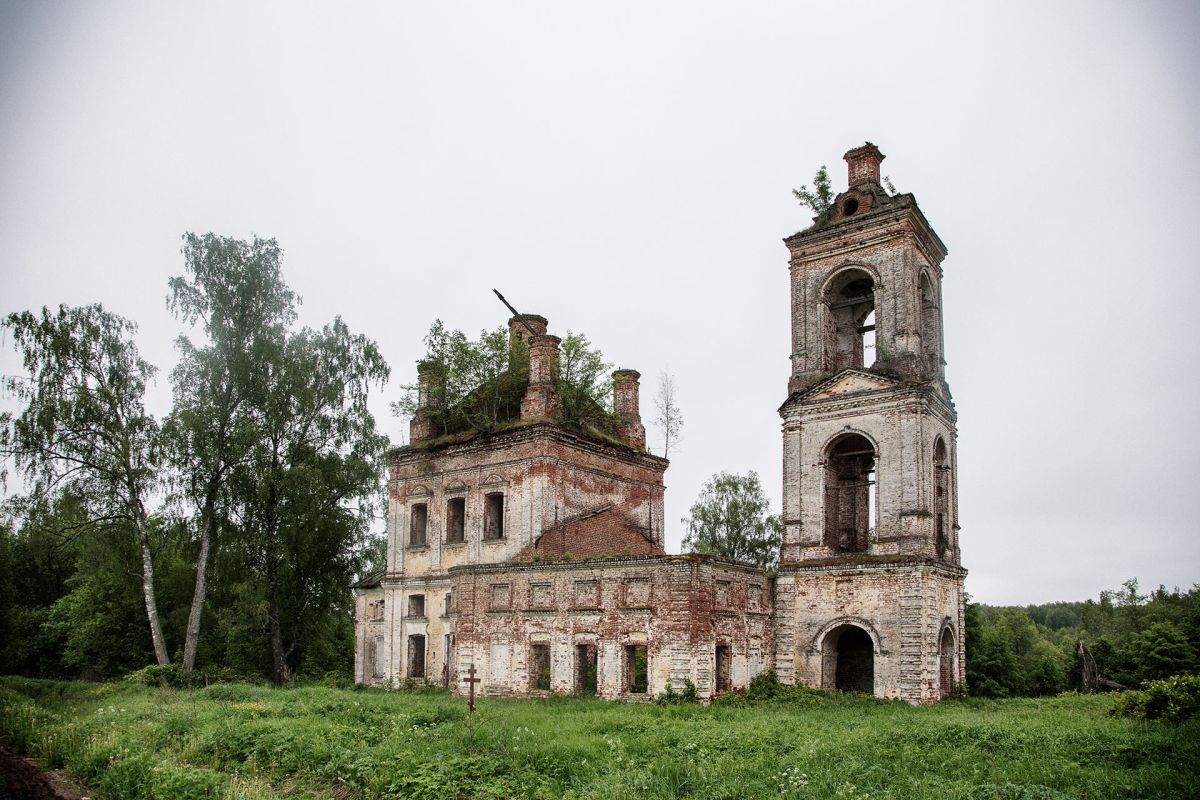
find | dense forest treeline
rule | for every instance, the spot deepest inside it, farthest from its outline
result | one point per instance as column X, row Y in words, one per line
column 1033, row 650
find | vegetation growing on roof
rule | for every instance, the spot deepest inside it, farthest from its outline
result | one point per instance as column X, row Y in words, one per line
column 820, row 198
column 476, row 385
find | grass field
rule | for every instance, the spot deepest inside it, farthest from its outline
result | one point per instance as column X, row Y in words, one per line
column 239, row 741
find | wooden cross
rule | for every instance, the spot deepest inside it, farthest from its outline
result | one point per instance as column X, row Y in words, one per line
column 471, row 680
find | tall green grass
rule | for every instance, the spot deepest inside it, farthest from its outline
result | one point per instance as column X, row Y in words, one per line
column 241, row 741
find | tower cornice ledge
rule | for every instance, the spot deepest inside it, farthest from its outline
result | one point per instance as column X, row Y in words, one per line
column 841, row 565
column 905, row 216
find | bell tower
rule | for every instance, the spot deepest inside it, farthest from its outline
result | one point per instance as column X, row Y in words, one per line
column 869, row 595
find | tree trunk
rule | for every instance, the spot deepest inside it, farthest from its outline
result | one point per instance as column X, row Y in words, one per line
column 156, row 634
column 192, row 637
column 278, row 657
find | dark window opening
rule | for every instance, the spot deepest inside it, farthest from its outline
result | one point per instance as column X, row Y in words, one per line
column 447, row 660
column 419, row 523
column 456, row 517
column 449, row 603
column 849, row 207
column 586, row 663
column 539, row 667
column 637, row 674
column 849, row 494
column 850, row 321
column 724, row 669
column 941, row 497
column 416, row 656
column 493, row 521
column 416, row 605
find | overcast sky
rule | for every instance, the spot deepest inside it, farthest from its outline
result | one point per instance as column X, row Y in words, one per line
column 625, row 170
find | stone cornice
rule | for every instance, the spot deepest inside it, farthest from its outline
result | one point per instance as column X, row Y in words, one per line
column 528, row 433
column 845, row 566
column 904, row 217
column 796, row 405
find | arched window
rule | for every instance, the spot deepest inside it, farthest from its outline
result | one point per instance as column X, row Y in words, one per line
column 941, row 497
column 849, row 320
column 931, row 338
column 849, row 493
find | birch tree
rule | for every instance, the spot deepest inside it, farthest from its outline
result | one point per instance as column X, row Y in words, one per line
column 84, row 429
column 666, row 411
column 236, row 289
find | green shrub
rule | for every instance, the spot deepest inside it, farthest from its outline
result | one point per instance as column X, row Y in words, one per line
column 172, row 676
column 1173, row 699
column 672, row 698
column 168, row 676
column 764, row 686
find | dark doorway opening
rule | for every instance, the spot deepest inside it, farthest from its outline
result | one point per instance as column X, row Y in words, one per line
column 416, row 656
column 724, row 669
column 585, row 668
column 539, row 667
column 848, row 660
column 636, row 669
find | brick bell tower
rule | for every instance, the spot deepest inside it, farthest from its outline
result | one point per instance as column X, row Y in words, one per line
column 869, row 596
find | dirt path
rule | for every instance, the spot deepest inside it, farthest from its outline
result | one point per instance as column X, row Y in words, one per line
column 22, row 779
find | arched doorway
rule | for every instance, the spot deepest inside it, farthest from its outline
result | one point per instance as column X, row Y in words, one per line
column 849, row 660
column 947, row 674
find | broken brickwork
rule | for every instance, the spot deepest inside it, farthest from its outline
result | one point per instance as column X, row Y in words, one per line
column 682, row 610
column 534, row 551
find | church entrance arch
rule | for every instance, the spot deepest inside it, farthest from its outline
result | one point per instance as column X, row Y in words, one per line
column 848, row 656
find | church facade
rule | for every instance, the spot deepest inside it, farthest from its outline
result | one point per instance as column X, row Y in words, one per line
column 534, row 552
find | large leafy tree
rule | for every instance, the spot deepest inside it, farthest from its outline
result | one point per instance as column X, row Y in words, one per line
column 732, row 519
column 236, row 289
column 305, row 497
column 84, row 429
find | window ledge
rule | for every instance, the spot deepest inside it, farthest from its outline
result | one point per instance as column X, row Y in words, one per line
column 455, row 544
column 417, row 547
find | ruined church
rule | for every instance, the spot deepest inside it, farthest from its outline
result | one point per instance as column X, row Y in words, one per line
column 533, row 552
